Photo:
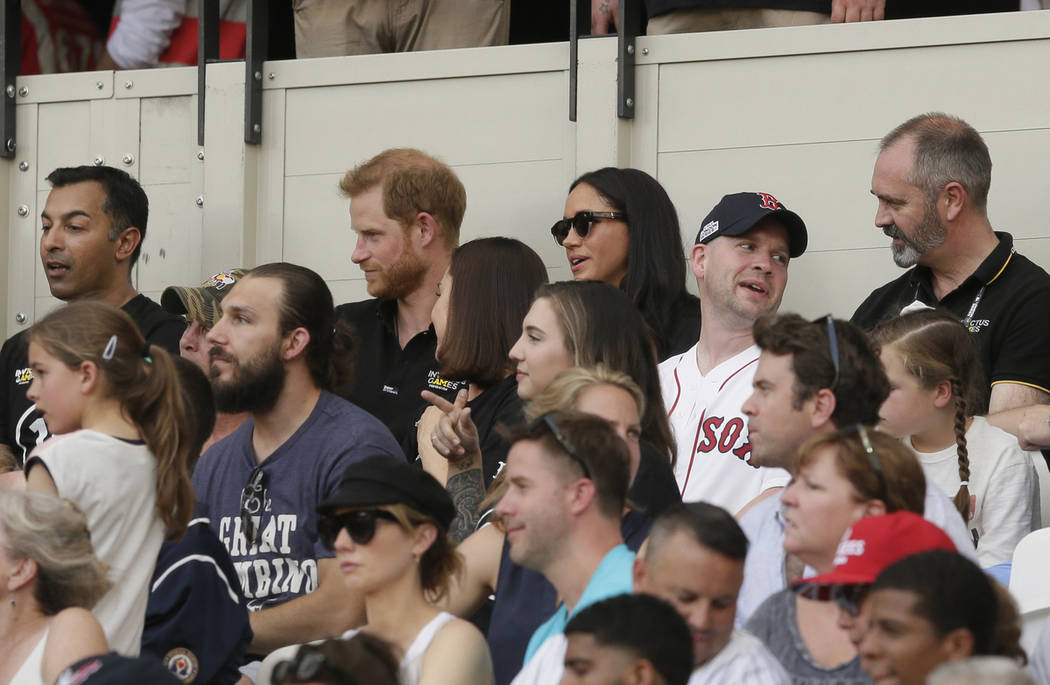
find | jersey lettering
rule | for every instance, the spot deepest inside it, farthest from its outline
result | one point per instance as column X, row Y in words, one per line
column 710, row 425
column 727, row 437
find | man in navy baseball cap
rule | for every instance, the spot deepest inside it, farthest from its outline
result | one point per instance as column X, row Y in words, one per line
column 738, row 213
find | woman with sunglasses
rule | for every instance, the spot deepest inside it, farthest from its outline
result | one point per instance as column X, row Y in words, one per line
column 388, row 524
column 840, row 478
column 620, row 227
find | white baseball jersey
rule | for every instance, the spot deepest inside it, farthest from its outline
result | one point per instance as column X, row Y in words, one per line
column 714, row 452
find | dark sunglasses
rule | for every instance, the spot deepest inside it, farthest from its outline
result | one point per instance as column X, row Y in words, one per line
column 833, row 346
column 873, row 458
column 547, row 421
column 848, row 598
column 251, row 502
column 360, row 525
column 308, row 667
column 582, row 223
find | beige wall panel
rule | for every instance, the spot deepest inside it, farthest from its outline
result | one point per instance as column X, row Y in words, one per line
column 463, row 121
column 20, row 237
column 836, row 281
column 849, row 96
column 168, row 140
column 172, row 251
column 64, row 137
column 349, row 290
column 43, row 305
column 317, row 227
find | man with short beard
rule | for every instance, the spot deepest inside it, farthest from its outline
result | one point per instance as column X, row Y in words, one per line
column 276, row 352
column 931, row 179
column 405, row 209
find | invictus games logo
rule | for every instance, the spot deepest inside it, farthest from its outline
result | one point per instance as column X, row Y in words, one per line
column 23, row 376
column 183, row 663
column 435, row 381
column 976, row 325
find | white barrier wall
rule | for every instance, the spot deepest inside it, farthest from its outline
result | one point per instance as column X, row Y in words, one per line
column 795, row 112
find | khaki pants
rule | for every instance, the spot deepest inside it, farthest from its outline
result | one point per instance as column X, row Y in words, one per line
column 691, row 21
column 331, row 28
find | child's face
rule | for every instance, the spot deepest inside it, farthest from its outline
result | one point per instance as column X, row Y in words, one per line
column 56, row 390
column 910, row 408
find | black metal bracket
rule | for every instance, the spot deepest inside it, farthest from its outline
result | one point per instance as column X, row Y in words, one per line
column 255, row 55
column 631, row 25
column 579, row 21
column 207, row 51
column 10, row 64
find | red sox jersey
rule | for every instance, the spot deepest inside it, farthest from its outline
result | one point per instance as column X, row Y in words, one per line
column 714, row 452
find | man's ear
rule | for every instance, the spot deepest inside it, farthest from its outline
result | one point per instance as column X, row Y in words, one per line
column 638, row 573
column 295, row 343
column 642, row 672
column 126, row 243
column 957, row 644
column 428, row 228
column 952, row 201
column 821, row 407
column 582, row 494
column 698, row 260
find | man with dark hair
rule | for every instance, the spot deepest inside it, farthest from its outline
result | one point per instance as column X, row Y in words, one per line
column 740, row 261
column 925, row 610
column 277, row 352
column 931, row 180
column 695, row 561
column 405, row 208
column 628, row 639
column 94, row 223
column 566, row 476
column 812, row 377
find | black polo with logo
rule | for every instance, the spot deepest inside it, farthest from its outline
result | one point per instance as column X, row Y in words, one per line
column 1010, row 324
column 388, row 380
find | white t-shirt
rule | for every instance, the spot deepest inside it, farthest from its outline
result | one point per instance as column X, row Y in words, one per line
column 547, row 665
column 714, row 452
column 114, row 482
column 1003, row 496
column 743, row 660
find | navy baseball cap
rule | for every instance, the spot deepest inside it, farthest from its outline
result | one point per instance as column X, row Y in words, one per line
column 738, row 213
column 382, row 479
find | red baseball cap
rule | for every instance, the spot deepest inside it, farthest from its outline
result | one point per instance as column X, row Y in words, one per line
column 872, row 544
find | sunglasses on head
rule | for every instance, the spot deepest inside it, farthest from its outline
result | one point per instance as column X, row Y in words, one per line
column 547, row 421
column 360, row 525
column 251, row 502
column 833, row 345
column 305, row 668
column 582, row 223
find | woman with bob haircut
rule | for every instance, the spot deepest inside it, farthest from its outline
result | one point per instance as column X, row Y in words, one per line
column 840, row 478
column 620, row 227
column 482, row 299
column 388, row 524
column 50, row 580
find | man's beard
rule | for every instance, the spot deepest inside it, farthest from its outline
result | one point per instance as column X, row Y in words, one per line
column 255, row 385
column 929, row 234
column 401, row 278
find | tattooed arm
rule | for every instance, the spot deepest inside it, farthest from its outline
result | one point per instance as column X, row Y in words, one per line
column 456, row 438
column 466, row 485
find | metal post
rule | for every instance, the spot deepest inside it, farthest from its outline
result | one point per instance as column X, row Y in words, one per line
column 579, row 22
column 253, row 71
column 10, row 63
column 632, row 18
column 207, row 51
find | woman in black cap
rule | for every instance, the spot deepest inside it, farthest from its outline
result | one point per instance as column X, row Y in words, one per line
column 388, row 524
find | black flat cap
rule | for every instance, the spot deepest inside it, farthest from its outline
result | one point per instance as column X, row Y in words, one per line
column 382, row 479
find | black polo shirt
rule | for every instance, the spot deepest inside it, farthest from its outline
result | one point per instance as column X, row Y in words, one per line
column 1011, row 323
column 22, row 428
column 387, row 379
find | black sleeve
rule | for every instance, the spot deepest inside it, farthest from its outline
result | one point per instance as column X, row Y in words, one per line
column 654, row 487
column 167, row 335
column 1021, row 352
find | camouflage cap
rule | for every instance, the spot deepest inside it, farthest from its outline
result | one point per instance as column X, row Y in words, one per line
column 200, row 304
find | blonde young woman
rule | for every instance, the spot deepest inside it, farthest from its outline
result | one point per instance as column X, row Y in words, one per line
column 49, row 580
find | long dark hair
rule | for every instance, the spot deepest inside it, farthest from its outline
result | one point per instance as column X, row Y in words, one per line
column 655, row 279
column 602, row 326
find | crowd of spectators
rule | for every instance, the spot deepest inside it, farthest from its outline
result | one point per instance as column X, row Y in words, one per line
column 477, row 476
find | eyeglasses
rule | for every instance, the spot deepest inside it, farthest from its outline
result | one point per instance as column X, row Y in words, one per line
column 873, row 459
column 848, row 598
column 308, row 667
column 251, row 502
column 565, row 444
column 360, row 525
column 833, row 346
column 582, row 222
